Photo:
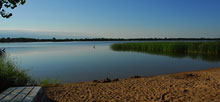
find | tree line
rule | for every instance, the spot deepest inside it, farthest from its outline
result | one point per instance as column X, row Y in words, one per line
column 100, row 39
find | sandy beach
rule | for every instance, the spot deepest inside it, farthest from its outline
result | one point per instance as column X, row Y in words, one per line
column 194, row 86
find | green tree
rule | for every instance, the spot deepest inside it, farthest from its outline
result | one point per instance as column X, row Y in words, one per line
column 54, row 38
column 9, row 4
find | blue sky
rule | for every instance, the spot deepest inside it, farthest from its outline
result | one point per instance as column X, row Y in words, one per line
column 114, row 18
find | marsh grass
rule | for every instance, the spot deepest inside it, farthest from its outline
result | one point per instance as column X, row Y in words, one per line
column 209, row 51
column 11, row 75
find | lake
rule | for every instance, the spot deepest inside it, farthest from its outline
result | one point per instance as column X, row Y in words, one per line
column 88, row 61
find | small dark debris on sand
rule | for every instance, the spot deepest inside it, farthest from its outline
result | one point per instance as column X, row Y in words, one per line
column 136, row 76
column 106, row 80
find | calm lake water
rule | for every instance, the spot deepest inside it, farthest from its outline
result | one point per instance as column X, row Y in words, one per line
column 80, row 61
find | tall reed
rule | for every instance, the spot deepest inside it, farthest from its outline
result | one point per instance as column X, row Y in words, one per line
column 10, row 74
column 205, row 50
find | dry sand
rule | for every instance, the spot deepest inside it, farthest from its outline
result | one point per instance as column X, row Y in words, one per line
column 195, row 86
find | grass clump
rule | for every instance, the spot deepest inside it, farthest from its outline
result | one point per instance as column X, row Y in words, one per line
column 49, row 82
column 10, row 74
column 209, row 51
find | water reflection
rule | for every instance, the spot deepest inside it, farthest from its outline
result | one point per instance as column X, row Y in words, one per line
column 204, row 57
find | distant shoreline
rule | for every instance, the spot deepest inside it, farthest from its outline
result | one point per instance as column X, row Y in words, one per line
column 14, row 40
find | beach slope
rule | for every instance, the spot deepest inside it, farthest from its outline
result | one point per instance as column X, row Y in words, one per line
column 203, row 85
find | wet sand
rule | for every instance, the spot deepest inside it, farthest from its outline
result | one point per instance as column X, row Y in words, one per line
column 194, row 86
